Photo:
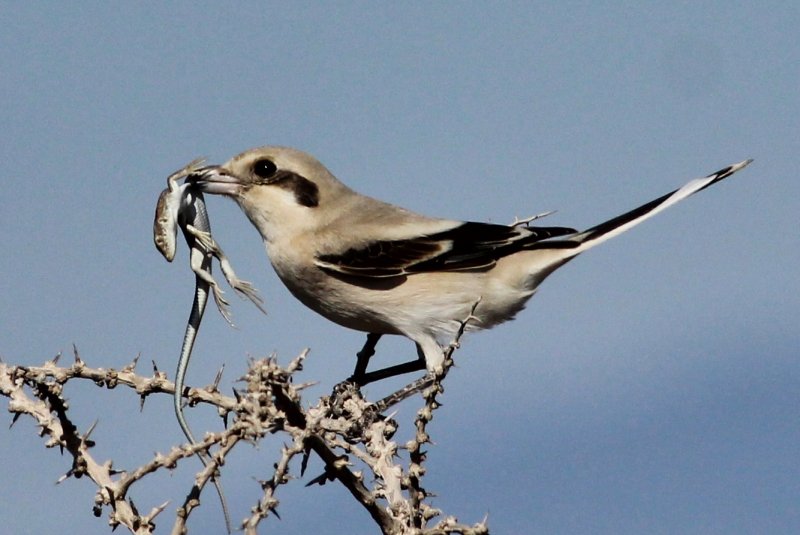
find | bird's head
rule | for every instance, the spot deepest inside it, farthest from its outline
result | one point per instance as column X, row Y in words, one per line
column 274, row 184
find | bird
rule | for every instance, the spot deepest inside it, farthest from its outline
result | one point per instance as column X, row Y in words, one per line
column 375, row 267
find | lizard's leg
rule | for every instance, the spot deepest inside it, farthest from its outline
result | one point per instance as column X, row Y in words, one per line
column 242, row 287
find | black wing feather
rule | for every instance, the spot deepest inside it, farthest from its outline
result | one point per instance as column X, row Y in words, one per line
column 468, row 246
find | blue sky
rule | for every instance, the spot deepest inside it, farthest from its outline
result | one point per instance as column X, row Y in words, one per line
column 650, row 386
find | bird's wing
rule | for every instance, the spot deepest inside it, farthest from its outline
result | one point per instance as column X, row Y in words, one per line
column 466, row 246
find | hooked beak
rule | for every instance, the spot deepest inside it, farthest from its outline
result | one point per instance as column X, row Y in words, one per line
column 215, row 180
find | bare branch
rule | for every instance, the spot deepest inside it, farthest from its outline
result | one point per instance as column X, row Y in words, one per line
column 349, row 434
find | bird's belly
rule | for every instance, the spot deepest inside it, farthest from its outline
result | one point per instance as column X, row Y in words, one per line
column 435, row 303
column 344, row 304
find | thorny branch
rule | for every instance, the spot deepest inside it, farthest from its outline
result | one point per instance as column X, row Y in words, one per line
column 350, row 435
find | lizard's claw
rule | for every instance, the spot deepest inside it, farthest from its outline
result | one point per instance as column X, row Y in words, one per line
column 222, row 304
column 247, row 290
column 242, row 287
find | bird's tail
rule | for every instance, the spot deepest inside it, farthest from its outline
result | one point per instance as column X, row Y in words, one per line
column 577, row 243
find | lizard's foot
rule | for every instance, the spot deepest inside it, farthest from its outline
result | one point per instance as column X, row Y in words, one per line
column 242, row 287
column 205, row 239
column 222, row 304
column 247, row 290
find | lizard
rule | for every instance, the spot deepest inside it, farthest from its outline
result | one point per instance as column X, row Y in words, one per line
column 183, row 205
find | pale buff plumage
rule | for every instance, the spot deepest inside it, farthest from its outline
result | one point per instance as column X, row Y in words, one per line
column 379, row 268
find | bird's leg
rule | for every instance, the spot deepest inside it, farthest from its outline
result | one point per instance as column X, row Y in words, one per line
column 361, row 377
column 391, row 371
column 363, row 358
column 351, row 387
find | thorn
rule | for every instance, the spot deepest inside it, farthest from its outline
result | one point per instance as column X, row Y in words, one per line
column 296, row 363
column 155, row 368
column 304, row 460
column 141, row 402
column 157, row 510
column 274, row 511
column 77, row 355
column 471, row 312
column 218, row 378
column 519, row 222
column 85, row 437
column 319, row 480
column 303, row 386
column 14, row 419
column 132, row 366
column 55, row 359
column 64, row 477
column 237, row 395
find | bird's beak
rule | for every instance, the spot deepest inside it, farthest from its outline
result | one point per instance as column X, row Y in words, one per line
column 215, row 180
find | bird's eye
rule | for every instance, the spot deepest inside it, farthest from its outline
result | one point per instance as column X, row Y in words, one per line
column 265, row 168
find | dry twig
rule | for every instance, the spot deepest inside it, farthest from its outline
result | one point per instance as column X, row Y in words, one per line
column 348, row 434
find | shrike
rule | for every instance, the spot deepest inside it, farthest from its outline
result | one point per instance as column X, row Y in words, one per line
column 382, row 269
